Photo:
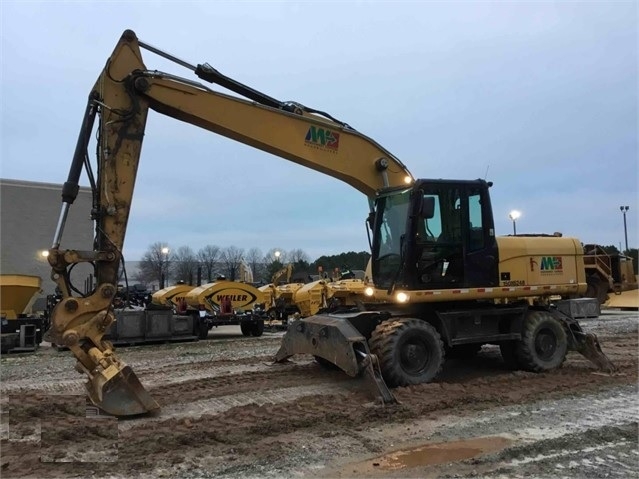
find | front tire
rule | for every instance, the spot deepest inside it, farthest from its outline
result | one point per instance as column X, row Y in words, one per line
column 410, row 351
column 543, row 344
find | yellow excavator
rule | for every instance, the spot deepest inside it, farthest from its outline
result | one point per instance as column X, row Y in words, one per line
column 279, row 299
column 441, row 278
column 329, row 295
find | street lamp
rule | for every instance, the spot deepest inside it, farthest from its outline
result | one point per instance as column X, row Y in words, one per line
column 277, row 255
column 624, row 209
column 513, row 215
column 165, row 252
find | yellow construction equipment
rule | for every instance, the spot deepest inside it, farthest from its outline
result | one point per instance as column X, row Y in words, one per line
column 172, row 296
column 441, row 278
column 21, row 330
column 224, row 303
column 611, row 278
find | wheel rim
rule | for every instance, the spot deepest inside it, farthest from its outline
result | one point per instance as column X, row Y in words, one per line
column 545, row 344
column 414, row 356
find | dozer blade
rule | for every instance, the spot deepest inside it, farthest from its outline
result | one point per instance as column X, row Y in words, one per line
column 121, row 395
column 335, row 339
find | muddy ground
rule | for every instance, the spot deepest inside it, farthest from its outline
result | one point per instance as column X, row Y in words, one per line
column 228, row 412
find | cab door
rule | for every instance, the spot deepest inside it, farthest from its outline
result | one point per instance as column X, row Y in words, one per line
column 480, row 246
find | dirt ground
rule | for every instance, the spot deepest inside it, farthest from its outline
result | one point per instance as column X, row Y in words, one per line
column 228, row 412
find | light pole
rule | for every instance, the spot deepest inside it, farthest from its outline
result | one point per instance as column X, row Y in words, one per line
column 513, row 215
column 624, row 209
column 277, row 255
column 165, row 253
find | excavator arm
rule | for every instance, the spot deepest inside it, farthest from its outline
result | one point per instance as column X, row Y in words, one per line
column 120, row 100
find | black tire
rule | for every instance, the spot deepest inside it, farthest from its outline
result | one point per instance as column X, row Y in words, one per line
column 325, row 363
column 543, row 344
column 597, row 288
column 410, row 351
column 202, row 329
column 463, row 351
column 508, row 351
column 246, row 328
column 257, row 328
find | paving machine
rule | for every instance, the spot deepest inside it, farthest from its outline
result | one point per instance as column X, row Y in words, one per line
column 441, row 277
column 224, row 303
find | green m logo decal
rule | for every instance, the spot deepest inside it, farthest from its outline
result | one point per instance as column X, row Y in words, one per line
column 551, row 263
column 322, row 137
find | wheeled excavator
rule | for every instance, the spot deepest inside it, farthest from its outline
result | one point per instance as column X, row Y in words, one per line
column 441, row 278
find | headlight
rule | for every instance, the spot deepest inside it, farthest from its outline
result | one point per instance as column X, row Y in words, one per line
column 402, row 297
column 369, row 291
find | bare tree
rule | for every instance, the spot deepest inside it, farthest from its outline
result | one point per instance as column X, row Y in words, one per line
column 231, row 259
column 155, row 262
column 185, row 263
column 208, row 257
column 297, row 256
column 254, row 258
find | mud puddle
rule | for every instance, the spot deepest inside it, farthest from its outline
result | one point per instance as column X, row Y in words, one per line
column 402, row 461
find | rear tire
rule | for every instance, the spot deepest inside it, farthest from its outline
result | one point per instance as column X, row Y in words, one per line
column 246, row 329
column 543, row 344
column 202, row 330
column 597, row 288
column 257, row 329
column 410, row 351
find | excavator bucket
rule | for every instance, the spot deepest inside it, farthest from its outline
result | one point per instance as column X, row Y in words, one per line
column 121, row 395
column 335, row 339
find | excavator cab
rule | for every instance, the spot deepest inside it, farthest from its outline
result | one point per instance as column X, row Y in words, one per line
column 438, row 234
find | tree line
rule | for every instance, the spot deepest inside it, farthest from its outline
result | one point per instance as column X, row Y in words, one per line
column 163, row 264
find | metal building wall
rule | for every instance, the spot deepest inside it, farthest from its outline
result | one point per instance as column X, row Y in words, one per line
column 29, row 213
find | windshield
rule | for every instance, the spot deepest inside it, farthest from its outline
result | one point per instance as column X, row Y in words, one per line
column 392, row 212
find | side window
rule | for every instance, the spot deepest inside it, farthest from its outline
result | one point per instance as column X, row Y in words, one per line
column 476, row 225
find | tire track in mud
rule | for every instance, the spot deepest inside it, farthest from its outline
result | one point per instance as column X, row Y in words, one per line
column 193, row 410
column 230, row 414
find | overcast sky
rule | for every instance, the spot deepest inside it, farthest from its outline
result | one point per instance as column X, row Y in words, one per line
column 538, row 97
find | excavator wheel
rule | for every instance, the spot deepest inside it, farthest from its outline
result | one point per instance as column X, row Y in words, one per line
column 410, row 351
column 543, row 344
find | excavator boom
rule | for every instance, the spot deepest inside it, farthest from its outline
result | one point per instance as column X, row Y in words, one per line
column 120, row 99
